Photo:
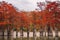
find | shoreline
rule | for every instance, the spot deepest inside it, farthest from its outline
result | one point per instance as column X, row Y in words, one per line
column 30, row 34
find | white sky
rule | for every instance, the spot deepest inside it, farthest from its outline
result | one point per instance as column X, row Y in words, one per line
column 27, row 5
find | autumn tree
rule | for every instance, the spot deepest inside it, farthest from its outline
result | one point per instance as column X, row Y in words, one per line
column 52, row 14
column 7, row 13
column 54, row 9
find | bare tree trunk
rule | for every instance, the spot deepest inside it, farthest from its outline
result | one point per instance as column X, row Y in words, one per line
column 51, row 31
column 3, row 34
column 12, row 34
column 27, row 33
column 48, row 31
column 21, row 33
column 34, row 33
column 8, row 33
column 45, row 31
column 16, row 33
column 41, row 31
column 56, row 32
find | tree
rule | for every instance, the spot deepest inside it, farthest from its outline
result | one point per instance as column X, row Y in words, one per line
column 7, row 14
column 51, row 14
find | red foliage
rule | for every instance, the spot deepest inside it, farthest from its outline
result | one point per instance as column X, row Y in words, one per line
column 7, row 12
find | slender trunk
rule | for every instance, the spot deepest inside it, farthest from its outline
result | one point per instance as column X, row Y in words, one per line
column 34, row 33
column 56, row 32
column 45, row 31
column 56, row 26
column 51, row 31
column 12, row 34
column 3, row 34
column 8, row 33
column 41, row 31
column 56, row 29
column 27, row 33
column 48, row 31
column 21, row 33
column 16, row 34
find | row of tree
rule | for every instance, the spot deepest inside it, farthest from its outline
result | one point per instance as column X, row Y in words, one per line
column 11, row 18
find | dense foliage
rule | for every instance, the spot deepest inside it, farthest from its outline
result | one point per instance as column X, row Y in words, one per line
column 10, row 17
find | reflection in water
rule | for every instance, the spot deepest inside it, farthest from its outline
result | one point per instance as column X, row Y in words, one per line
column 40, row 38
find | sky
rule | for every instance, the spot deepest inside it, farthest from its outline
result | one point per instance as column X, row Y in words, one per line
column 27, row 5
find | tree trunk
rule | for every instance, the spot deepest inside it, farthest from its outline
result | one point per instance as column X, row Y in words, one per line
column 56, row 32
column 48, row 31
column 45, row 31
column 21, row 33
column 16, row 33
column 51, row 31
column 27, row 33
column 41, row 31
column 8, row 33
column 3, row 34
column 34, row 33
column 12, row 34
